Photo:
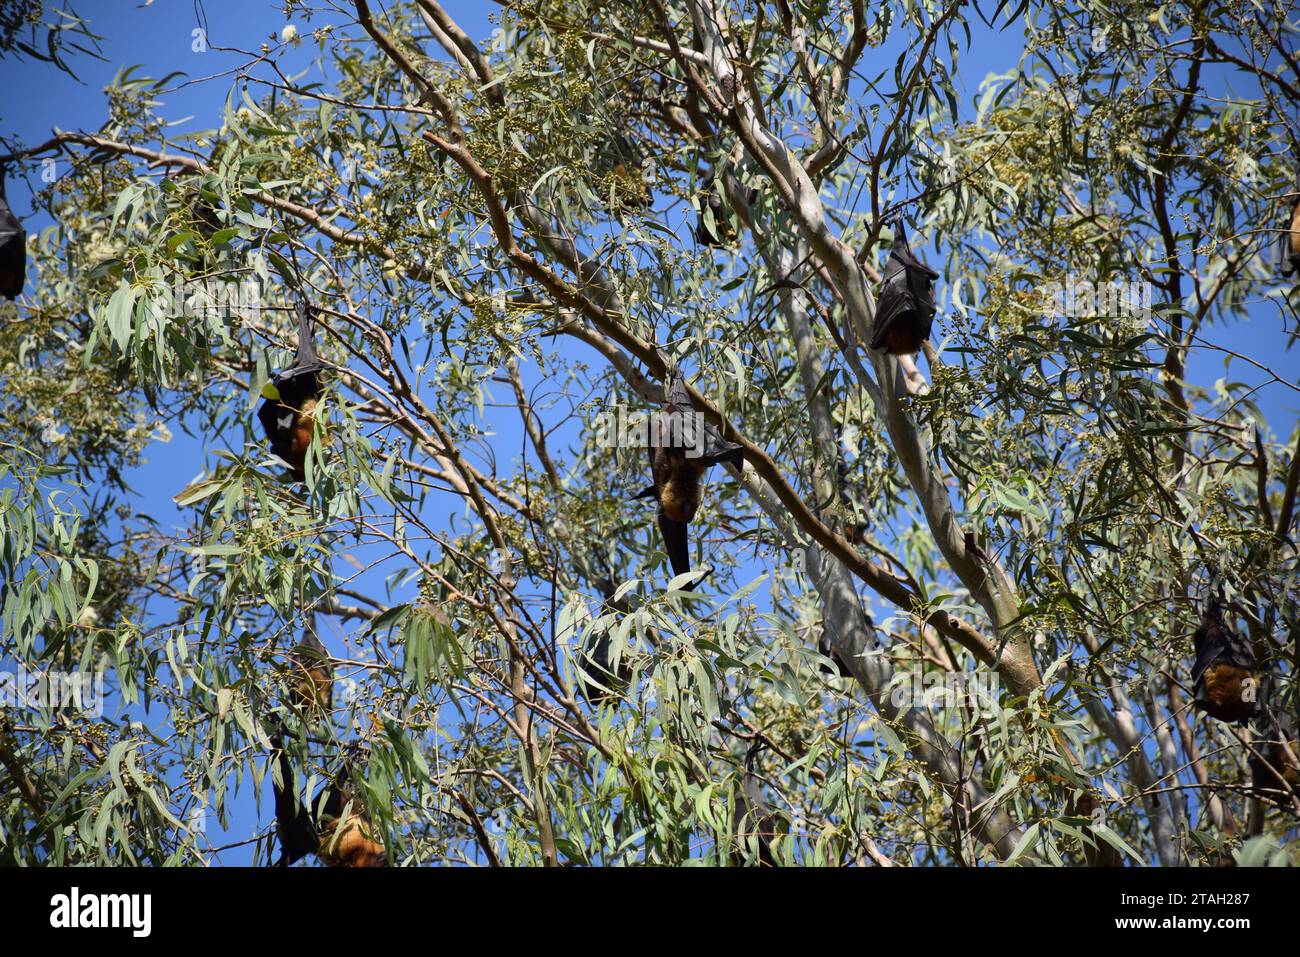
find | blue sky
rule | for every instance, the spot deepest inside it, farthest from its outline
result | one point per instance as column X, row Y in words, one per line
column 159, row 36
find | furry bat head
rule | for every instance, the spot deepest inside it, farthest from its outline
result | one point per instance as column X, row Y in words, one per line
column 346, row 834
column 905, row 311
column 13, row 248
column 1225, row 683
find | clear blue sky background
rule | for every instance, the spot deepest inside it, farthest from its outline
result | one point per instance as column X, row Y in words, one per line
column 159, row 38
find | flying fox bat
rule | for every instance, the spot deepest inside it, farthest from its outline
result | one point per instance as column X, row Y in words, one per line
column 288, row 419
column 1291, row 238
column 295, row 823
column 339, row 836
column 836, row 664
column 13, row 248
column 313, row 679
column 712, row 200
column 606, row 681
column 346, row 835
column 1275, row 761
column 905, row 312
column 1224, row 674
column 610, row 681
column 622, row 157
column 682, row 447
column 755, row 818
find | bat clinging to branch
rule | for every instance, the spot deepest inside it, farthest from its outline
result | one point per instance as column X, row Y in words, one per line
column 1291, row 237
column 13, row 248
column 756, row 821
column 905, row 312
column 682, row 447
column 332, row 827
column 287, row 414
column 313, row 679
column 1224, row 674
column 713, row 207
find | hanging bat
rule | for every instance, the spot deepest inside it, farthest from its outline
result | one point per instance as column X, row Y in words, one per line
column 1096, row 852
column 1275, row 761
column 339, row 836
column 711, row 199
column 1291, row 238
column 836, row 664
column 682, row 447
column 622, row 157
column 13, row 248
column 756, row 821
column 1224, row 676
column 313, row 679
column 288, row 419
column 346, row 835
column 294, row 822
column 609, row 682
column 905, row 312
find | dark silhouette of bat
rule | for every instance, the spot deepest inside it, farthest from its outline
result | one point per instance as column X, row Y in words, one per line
column 288, row 419
column 336, row 833
column 13, row 248
column 905, row 312
column 836, row 664
column 313, row 678
column 682, row 447
column 294, row 822
column 622, row 157
column 1224, row 678
column 596, row 654
column 712, row 200
column 1291, row 238
column 755, row 818
column 346, row 835
column 1275, row 761
column 1098, row 853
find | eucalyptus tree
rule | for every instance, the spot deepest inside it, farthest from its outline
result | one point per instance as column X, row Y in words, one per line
column 952, row 597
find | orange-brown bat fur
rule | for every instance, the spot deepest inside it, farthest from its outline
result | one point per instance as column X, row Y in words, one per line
column 1223, row 687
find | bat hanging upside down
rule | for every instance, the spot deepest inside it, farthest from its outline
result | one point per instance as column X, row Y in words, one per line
column 313, row 679
column 711, row 195
column 289, row 418
column 757, row 825
column 1291, row 236
column 13, row 248
column 905, row 312
column 1224, row 679
column 340, row 836
column 682, row 447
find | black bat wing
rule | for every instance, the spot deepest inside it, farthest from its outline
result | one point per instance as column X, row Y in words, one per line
column 907, row 291
column 1215, row 641
column 295, row 824
column 894, row 303
column 271, row 414
column 13, row 249
column 717, row 451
